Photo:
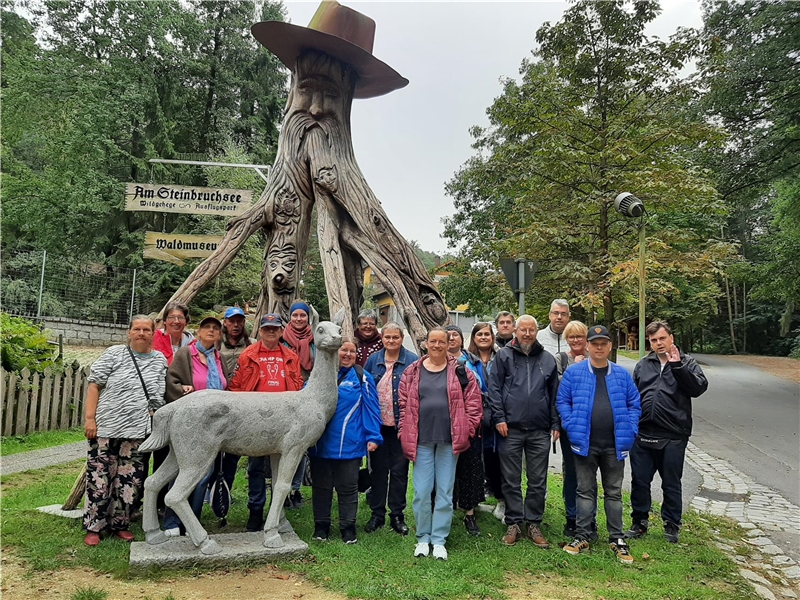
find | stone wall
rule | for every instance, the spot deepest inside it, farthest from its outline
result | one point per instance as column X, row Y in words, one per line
column 77, row 332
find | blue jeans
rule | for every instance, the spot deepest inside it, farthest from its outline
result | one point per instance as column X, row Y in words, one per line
column 196, row 499
column 570, row 478
column 258, row 469
column 435, row 467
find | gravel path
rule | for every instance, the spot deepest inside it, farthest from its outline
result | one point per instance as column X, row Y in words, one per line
column 39, row 459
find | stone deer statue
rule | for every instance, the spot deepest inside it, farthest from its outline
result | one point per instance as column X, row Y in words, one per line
column 282, row 425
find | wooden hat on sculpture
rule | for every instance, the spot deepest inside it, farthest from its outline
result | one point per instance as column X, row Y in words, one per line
column 340, row 32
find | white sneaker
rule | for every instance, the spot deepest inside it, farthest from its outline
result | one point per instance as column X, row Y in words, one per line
column 174, row 532
column 422, row 550
column 440, row 552
column 500, row 511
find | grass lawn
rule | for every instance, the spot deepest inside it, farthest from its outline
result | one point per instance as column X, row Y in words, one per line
column 36, row 441
column 381, row 565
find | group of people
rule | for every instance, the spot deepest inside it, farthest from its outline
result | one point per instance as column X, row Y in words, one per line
column 128, row 383
column 468, row 418
column 558, row 384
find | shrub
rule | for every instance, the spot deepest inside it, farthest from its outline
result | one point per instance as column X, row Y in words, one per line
column 22, row 345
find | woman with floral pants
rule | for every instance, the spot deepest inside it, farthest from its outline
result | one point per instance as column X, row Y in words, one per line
column 126, row 386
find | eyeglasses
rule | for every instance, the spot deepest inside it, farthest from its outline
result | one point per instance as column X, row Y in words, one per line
column 174, row 319
column 575, row 338
column 559, row 314
column 526, row 331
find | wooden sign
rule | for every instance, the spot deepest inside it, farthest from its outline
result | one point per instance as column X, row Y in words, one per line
column 186, row 199
column 174, row 248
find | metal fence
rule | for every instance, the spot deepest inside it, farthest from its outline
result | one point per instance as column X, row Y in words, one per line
column 36, row 285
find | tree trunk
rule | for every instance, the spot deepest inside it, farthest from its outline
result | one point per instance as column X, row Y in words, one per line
column 730, row 315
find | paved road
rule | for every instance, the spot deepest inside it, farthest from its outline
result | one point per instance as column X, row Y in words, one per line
column 752, row 420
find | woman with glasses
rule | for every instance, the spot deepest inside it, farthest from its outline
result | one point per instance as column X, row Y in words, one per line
column 575, row 333
column 482, row 345
column 174, row 335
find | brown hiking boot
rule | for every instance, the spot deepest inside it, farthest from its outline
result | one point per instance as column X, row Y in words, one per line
column 513, row 533
column 534, row 534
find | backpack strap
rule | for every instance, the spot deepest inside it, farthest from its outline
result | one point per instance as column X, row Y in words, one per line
column 563, row 362
column 461, row 372
column 359, row 372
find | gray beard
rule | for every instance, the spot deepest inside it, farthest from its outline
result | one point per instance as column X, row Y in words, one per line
column 526, row 348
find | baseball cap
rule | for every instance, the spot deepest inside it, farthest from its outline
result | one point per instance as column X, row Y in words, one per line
column 207, row 319
column 596, row 332
column 234, row 311
column 271, row 320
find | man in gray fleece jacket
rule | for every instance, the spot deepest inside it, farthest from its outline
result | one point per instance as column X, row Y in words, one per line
column 552, row 336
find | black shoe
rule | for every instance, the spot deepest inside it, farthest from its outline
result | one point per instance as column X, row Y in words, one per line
column 569, row 528
column 349, row 534
column 471, row 523
column 671, row 532
column 256, row 521
column 321, row 531
column 297, row 499
column 399, row 525
column 637, row 530
column 287, row 503
column 374, row 524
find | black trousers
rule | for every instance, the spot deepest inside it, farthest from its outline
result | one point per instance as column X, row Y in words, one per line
column 668, row 462
column 389, row 476
column 342, row 475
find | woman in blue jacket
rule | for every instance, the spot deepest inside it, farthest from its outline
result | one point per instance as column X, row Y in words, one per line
column 354, row 430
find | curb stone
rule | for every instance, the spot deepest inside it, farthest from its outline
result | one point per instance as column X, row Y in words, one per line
column 726, row 492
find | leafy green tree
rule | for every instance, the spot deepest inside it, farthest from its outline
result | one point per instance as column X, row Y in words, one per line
column 750, row 80
column 112, row 85
column 600, row 109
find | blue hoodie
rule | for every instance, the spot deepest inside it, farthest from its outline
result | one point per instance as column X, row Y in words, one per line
column 356, row 422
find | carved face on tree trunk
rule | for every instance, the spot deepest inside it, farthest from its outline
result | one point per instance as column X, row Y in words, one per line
column 321, row 87
column 282, row 260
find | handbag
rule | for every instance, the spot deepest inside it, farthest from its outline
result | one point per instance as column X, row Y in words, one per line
column 365, row 477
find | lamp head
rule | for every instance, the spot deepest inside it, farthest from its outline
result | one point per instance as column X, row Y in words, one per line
column 629, row 205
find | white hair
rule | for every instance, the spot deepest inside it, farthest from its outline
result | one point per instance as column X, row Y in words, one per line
column 528, row 317
column 559, row 302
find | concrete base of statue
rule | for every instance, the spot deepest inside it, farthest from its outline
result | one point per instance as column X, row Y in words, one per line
column 236, row 549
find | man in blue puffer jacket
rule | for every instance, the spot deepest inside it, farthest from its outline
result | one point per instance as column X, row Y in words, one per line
column 599, row 407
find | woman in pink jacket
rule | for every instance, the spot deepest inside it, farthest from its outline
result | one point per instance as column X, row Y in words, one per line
column 437, row 420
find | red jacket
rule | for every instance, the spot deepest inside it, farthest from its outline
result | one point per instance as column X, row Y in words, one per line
column 245, row 378
column 163, row 343
column 466, row 408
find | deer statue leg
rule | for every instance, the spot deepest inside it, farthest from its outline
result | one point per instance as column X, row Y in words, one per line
column 177, row 500
column 281, row 486
column 152, row 485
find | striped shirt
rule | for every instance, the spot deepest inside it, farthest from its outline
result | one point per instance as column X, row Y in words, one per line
column 122, row 410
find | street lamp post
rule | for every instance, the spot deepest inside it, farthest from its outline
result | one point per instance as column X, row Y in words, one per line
column 630, row 206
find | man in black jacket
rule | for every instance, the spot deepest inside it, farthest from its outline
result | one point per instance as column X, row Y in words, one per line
column 522, row 392
column 667, row 380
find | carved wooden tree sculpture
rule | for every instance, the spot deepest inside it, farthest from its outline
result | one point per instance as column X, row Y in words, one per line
column 331, row 64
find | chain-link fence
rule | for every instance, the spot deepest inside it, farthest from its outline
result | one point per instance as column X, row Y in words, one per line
column 37, row 285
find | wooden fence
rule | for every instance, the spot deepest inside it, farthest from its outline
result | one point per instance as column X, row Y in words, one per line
column 42, row 401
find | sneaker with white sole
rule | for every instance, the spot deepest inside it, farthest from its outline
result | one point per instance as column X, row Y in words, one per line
column 422, row 549
column 440, row 552
column 620, row 548
column 576, row 546
column 174, row 532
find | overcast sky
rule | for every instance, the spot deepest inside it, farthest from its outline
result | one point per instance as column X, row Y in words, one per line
column 410, row 142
